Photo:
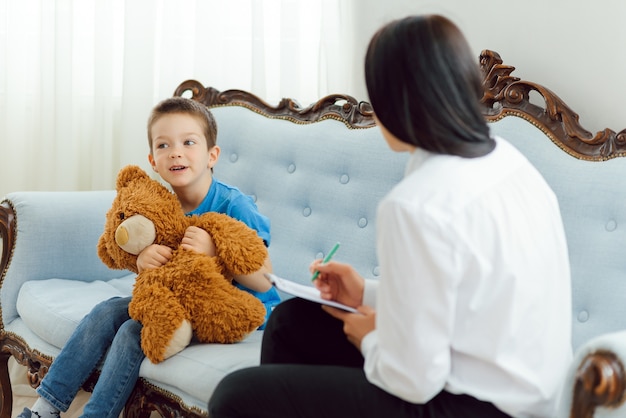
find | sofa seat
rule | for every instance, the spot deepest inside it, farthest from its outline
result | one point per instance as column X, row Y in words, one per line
column 197, row 369
column 52, row 308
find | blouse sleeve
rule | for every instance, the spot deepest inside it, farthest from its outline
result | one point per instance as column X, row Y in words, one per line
column 369, row 293
column 409, row 353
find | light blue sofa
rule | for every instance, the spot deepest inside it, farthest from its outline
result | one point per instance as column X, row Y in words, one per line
column 318, row 173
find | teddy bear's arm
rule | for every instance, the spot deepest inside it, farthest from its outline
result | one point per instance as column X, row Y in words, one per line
column 239, row 247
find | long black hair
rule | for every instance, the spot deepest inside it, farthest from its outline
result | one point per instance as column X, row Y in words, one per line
column 425, row 86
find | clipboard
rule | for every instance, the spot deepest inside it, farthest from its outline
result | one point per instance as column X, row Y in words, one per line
column 305, row 292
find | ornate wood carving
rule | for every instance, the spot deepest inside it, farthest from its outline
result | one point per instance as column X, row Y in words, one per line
column 341, row 107
column 505, row 95
column 600, row 381
column 37, row 366
column 147, row 398
column 6, row 396
column 7, row 233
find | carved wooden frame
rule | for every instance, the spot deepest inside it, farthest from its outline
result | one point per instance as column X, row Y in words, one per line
column 600, row 380
column 341, row 107
column 507, row 95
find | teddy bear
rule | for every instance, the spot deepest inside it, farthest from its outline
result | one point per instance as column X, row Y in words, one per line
column 192, row 293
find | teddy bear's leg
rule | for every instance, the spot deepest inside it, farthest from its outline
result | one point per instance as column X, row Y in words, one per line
column 180, row 339
column 166, row 327
column 228, row 315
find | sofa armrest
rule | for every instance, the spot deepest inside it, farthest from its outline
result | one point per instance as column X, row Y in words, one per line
column 597, row 378
column 50, row 235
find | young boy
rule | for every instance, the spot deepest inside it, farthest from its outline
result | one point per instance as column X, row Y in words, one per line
column 182, row 137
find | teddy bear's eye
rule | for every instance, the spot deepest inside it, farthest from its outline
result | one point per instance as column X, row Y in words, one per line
column 122, row 216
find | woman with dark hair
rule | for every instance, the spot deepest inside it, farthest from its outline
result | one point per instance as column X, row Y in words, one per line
column 424, row 86
column 471, row 316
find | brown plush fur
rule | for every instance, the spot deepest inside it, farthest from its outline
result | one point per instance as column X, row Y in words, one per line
column 190, row 286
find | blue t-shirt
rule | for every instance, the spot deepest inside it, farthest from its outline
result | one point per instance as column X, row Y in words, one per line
column 229, row 200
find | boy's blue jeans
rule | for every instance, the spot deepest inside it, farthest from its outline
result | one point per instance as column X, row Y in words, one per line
column 107, row 327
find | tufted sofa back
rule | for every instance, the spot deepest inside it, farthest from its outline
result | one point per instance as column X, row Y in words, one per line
column 319, row 183
column 592, row 197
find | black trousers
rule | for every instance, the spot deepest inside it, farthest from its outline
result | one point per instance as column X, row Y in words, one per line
column 309, row 369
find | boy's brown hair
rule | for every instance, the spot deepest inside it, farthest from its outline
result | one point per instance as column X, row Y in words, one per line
column 189, row 107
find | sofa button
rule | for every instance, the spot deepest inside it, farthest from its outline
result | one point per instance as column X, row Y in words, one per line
column 233, row 157
column 306, row 212
column 611, row 225
column 319, row 256
column 344, row 179
column 291, row 168
column 583, row 316
column 362, row 223
column 376, row 271
column 253, row 196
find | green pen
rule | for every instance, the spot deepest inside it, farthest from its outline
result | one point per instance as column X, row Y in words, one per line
column 326, row 260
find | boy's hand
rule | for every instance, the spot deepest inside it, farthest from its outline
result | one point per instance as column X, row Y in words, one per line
column 198, row 240
column 153, row 256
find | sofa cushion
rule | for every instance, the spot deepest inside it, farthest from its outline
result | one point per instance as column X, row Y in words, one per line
column 52, row 308
column 197, row 369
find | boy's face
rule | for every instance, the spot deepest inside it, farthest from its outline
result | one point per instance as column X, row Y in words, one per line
column 179, row 151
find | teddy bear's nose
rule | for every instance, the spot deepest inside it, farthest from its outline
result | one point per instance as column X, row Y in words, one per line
column 135, row 234
column 121, row 235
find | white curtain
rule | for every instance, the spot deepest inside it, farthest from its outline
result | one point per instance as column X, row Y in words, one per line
column 78, row 78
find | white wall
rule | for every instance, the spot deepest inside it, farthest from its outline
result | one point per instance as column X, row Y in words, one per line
column 576, row 48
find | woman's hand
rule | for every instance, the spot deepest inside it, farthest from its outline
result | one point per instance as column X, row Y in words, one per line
column 339, row 282
column 153, row 256
column 198, row 240
column 355, row 325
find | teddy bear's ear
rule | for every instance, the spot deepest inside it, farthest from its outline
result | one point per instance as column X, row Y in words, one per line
column 128, row 174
